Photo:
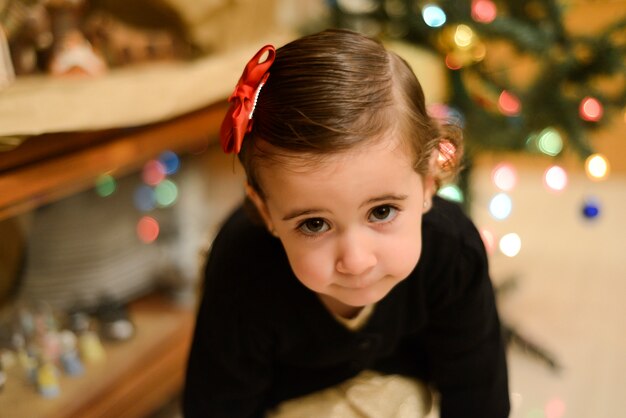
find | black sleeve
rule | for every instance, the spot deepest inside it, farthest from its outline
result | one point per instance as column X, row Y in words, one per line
column 229, row 367
column 466, row 351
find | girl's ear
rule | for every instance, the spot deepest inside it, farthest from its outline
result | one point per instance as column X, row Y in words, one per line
column 261, row 207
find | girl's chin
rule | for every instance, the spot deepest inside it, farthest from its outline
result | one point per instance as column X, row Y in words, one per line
column 358, row 297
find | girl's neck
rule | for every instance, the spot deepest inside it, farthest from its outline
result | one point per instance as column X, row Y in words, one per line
column 338, row 308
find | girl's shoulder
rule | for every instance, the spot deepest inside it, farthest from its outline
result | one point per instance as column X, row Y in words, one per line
column 245, row 261
column 447, row 225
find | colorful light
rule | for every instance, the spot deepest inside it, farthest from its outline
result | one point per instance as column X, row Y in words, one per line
column 531, row 142
column 395, row 8
column 452, row 63
column 555, row 178
column 451, row 192
column 147, row 229
column 509, row 104
column 555, row 408
column 479, row 52
column 463, row 36
column 489, row 240
column 535, row 413
column 105, row 185
column 153, row 172
column 504, row 176
column 550, row 142
column 433, row 15
column 597, row 167
column 500, row 206
column 166, row 193
column 484, row 11
column 357, row 6
column 590, row 109
column 510, row 244
column 170, row 161
column 591, row 208
column 144, row 198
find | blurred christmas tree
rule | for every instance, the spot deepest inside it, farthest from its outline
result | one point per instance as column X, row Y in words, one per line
column 519, row 80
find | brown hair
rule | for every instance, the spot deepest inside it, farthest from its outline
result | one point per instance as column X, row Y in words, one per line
column 336, row 89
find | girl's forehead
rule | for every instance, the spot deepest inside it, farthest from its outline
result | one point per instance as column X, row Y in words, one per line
column 308, row 162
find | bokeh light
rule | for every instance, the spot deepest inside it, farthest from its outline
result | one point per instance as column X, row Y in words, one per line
column 166, row 193
column 105, row 185
column 153, row 172
column 446, row 114
column 597, row 167
column 357, row 6
column 451, row 192
column 144, row 198
column 463, row 36
column 395, row 8
column 452, row 63
column 510, row 244
column 504, row 176
column 509, row 104
column 433, row 15
column 591, row 208
column 535, row 413
column 500, row 206
column 489, row 240
column 147, row 229
column 550, row 142
column 170, row 161
column 484, row 11
column 590, row 109
column 555, row 178
column 555, row 408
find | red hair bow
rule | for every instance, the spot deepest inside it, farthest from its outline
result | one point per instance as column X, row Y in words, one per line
column 238, row 119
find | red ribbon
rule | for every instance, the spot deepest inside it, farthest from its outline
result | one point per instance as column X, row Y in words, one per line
column 238, row 119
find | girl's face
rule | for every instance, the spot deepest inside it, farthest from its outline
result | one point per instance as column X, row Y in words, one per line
column 350, row 225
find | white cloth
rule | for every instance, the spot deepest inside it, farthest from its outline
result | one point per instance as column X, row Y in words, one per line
column 368, row 395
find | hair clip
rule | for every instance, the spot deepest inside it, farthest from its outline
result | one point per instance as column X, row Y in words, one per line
column 238, row 119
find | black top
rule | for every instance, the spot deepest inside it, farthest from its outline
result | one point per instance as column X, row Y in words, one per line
column 262, row 337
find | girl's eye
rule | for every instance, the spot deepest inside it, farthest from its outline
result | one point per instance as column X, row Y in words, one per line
column 313, row 226
column 383, row 213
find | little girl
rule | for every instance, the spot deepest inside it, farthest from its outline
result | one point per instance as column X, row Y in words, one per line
column 347, row 289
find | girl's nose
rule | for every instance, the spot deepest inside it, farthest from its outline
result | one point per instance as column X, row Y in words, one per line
column 356, row 255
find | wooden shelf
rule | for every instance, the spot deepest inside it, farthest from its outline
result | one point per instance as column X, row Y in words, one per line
column 141, row 374
column 25, row 187
column 136, row 377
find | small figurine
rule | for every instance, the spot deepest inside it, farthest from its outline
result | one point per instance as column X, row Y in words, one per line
column 74, row 55
column 115, row 323
column 48, row 380
column 90, row 346
column 27, row 29
column 70, row 360
column 24, row 358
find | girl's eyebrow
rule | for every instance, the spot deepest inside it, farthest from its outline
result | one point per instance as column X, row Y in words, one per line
column 383, row 198
column 300, row 212
column 387, row 197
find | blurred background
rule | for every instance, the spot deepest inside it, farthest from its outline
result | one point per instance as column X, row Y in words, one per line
column 112, row 183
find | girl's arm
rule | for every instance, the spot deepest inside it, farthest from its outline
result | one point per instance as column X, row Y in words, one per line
column 228, row 372
column 465, row 345
column 229, row 369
